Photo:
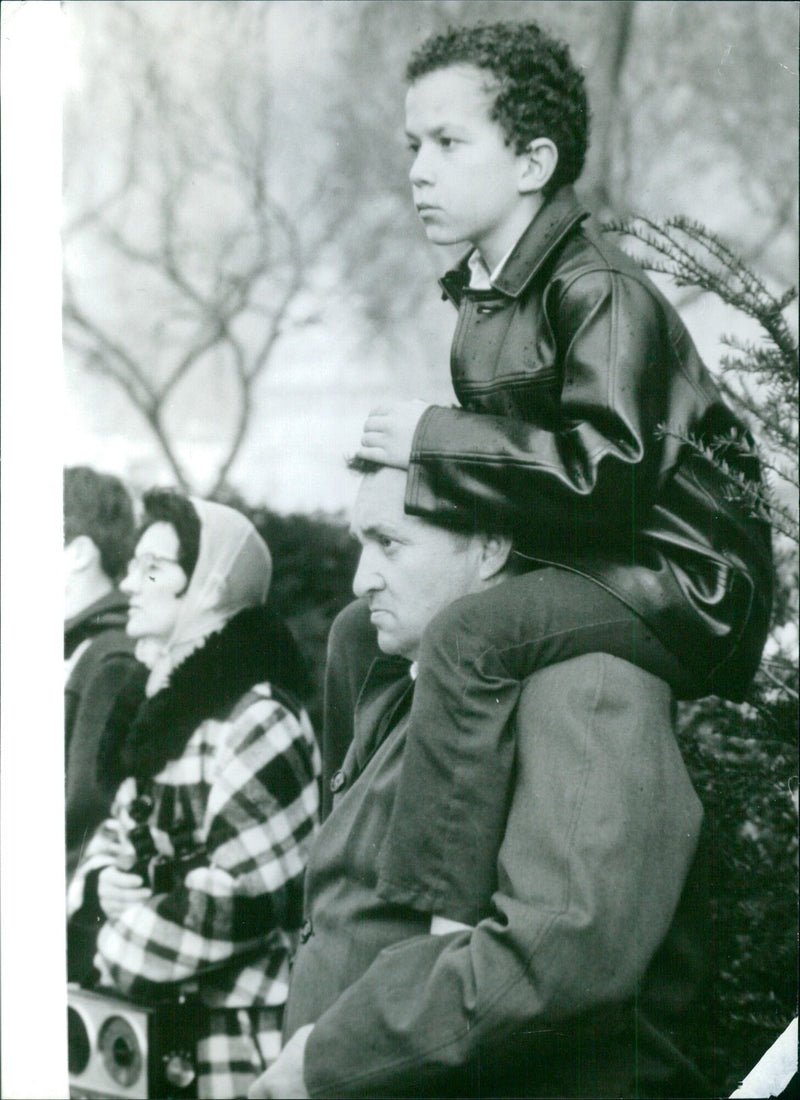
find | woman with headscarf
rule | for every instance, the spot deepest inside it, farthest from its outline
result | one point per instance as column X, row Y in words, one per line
column 218, row 770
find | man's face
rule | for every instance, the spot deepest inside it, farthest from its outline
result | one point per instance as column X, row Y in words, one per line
column 155, row 584
column 465, row 179
column 409, row 569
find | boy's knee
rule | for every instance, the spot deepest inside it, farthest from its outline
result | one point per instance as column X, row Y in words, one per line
column 464, row 618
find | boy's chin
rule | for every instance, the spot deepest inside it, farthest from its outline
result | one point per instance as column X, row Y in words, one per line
column 437, row 234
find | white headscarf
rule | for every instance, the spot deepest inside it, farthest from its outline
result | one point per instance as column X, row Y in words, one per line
column 233, row 571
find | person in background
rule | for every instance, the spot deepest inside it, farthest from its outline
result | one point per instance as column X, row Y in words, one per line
column 196, row 876
column 98, row 655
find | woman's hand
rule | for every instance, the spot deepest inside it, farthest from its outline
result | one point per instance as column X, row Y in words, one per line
column 116, row 890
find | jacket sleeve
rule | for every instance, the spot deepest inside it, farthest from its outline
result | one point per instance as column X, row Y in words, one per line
column 261, row 812
column 87, row 711
column 600, row 465
column 602, row 830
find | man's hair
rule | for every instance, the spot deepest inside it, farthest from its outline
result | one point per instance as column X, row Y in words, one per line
column 538, row 92
column 98, row 506
column 169, row 506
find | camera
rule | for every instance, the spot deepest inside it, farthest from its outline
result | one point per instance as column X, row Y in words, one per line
column 162, row 872
column 119, row 1048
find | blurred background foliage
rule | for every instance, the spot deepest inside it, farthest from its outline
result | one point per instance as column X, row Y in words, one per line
column 245, row 277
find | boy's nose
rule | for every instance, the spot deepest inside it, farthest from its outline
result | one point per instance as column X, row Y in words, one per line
column 420, row 171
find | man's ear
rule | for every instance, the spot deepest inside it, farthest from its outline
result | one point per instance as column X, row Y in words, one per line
column 494, row 556
column 83, row 552
column 540, row 161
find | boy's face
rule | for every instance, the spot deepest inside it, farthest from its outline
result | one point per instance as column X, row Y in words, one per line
column 466, row 181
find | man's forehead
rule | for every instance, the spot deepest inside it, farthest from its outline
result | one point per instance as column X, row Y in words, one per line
column 381, row 500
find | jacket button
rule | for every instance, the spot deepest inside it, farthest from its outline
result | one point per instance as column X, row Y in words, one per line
column 306, row 931
column 338, row 780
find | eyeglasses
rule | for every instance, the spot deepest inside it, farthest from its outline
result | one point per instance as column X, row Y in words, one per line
column 148, row 564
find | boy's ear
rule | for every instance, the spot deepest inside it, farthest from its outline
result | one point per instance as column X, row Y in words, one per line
column 540, row 160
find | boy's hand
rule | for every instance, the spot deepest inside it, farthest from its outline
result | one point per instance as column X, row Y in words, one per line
column 284, row 1078
column 389, row 432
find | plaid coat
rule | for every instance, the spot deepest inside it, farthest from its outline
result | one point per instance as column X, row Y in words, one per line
column 245, row 787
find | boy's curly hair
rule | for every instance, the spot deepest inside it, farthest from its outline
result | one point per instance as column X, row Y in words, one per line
column 538, row 92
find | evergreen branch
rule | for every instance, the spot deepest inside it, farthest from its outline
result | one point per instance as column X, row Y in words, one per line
column 757, row 497
column 777, row 682
column 732, row 281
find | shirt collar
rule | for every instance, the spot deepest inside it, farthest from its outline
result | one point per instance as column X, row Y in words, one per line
column 480, row 277
column 548, row 228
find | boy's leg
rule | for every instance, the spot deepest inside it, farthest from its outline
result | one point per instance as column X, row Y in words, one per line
column 440, row 851
column 352, row 647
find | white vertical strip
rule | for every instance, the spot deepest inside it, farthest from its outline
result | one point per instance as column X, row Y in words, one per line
column 31, row 756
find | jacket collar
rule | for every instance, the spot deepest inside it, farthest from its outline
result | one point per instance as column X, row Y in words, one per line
column 559, row 215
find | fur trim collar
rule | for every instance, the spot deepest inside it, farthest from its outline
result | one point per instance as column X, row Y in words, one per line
column 141, row 737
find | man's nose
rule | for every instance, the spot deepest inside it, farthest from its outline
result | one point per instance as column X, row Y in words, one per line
column 367, row 578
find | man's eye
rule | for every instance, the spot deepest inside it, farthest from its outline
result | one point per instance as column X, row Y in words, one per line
column 385, row 542
column 446, row 142
column 413, row 147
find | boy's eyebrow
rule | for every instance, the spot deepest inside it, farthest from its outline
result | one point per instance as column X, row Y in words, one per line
column 435, row 131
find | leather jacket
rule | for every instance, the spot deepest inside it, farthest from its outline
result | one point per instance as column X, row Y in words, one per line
column 575, row 374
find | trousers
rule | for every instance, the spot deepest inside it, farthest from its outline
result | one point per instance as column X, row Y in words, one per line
column 439, row 855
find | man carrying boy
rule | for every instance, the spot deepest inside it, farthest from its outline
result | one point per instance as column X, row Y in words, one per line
column 584, row 978
column 576, row 377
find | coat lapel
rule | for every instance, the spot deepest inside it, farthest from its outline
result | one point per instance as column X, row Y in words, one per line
column 386, row 692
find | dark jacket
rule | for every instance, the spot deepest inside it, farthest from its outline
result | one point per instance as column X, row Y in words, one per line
column 572, row 373
column 103, row 666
